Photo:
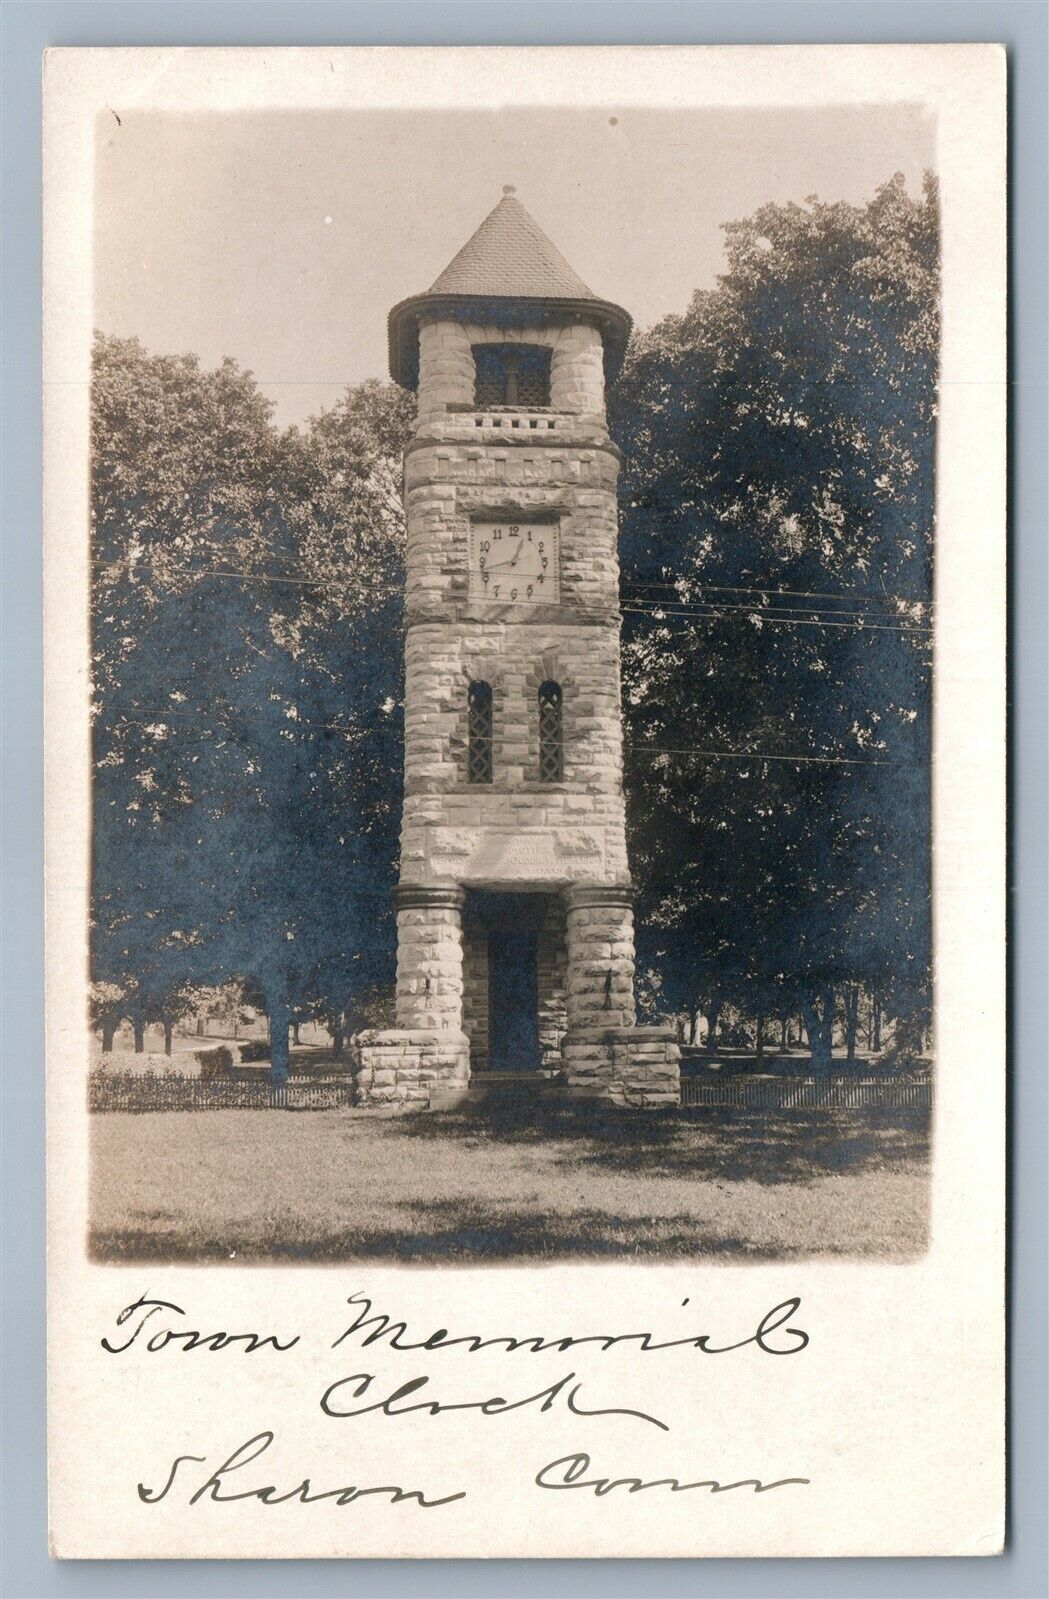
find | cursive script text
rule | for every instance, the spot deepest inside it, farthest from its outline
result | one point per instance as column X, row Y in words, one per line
column 773, row 1336
column 568, row 1472
column 337, row 1402
column 214, row 1487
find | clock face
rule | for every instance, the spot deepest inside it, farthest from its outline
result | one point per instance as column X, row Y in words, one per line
column 515, row 562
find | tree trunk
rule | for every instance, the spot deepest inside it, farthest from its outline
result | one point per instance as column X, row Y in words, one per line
column 877, row 1024
column 820, row 1028
column 338, row 1039
column 693, row 1031
column 280, row 1056
column 295, row 1032
column 852, row 1018
column 139, row 1028
column 759, row 1042
column 168, row 1030
column 109, row 1028
column 713, row 1014
column 200, row 1027
column 784, row 1035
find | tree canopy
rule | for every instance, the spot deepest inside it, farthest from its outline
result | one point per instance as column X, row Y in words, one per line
column 247, row 681
column 777, row 582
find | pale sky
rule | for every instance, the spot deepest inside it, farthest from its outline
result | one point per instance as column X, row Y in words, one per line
column 283, row 238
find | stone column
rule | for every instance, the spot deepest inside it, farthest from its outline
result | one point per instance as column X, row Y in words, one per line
column 429, row 958
column 600, row 921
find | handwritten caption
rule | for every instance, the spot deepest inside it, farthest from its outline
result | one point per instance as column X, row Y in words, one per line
column 152, row 1326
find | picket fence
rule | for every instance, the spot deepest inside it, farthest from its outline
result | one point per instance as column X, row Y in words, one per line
column 808, row 1093
column 161, row 1091
column 149, row 1091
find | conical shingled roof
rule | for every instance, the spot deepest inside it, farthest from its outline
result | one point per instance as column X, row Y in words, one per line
column 510, row 254
column 507, row 273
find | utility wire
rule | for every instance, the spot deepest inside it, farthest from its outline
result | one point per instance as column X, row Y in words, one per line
column 656, row 609
column 293, row 725
column 627, row 583
column 664, row 613
column 763, row 755
column 800, row 594
column 720, row 607
column 766, row 607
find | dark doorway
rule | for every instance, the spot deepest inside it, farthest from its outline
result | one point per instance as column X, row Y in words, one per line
column 513, row 1000
column 511, row 925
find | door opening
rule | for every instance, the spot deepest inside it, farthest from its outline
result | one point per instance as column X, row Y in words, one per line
column 511, row 926
column 513, row 999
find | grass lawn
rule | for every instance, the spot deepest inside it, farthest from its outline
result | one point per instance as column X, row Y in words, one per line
column 500, row 1184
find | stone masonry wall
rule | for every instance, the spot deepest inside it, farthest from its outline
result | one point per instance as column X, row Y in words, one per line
column 430, row 965
column 557, row 464
column 554, row 463
column 633, row 1066
column 460, row 472
column 403, row 1068
column 446, row 364
column 515, row 828
column 475, row 995
column 600, row 958
column 552, row 978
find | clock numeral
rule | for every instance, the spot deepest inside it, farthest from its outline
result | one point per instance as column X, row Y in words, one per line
column 515, row 531
column 497, row 591
column 529, row 591
column 513, row 594
column 542, row 546
column 545, row 563
column 481, row 563
column 497, row 533
column 485, row 545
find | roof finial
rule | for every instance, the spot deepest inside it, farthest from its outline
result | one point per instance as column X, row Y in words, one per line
column 508, row 188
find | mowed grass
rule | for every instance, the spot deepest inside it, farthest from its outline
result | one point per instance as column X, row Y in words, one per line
column 508, row 1183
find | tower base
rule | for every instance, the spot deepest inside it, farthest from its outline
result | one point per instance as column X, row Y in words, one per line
column 415, row 1069
column 407, row 1068
column 631, row 1066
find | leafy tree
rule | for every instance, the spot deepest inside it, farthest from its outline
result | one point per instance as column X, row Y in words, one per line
column 247, row 686
column 777, row 560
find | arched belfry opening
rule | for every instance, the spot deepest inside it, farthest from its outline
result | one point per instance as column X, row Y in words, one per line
column 515, row 903
column 512, row 375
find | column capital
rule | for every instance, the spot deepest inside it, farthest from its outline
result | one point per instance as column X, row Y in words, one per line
column 420, row 896
column 586, row 896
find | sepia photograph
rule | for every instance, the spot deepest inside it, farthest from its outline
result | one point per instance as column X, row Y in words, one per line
column 525, row 883
column 512, row 569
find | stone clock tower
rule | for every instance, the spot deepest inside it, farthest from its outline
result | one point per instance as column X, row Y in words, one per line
column 515, row 955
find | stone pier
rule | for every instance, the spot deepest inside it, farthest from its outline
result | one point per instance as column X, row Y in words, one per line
column 427, row 1056
column 605, row 1056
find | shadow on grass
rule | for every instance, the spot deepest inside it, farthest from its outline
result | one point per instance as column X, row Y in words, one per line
column 455, row 1232
column 730, row 1145
column 720, row 1182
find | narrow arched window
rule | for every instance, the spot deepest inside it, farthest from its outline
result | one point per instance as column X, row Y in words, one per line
column 479, row 733
column 551, row 740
